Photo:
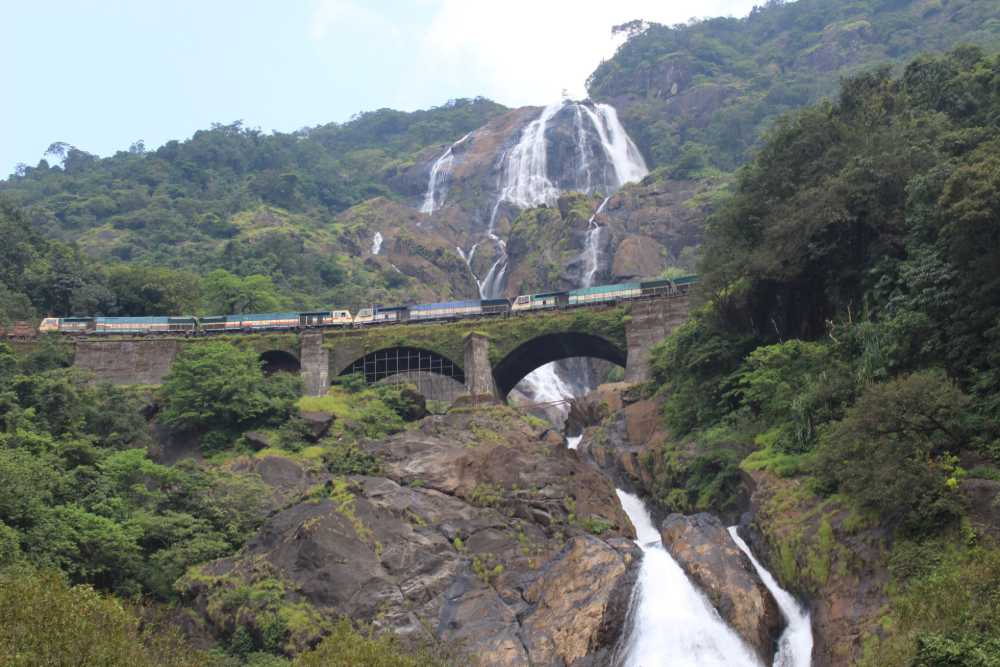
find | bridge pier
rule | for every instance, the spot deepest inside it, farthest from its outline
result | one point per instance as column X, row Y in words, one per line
column 478, row 370
column 650, row 322
column 314, row 363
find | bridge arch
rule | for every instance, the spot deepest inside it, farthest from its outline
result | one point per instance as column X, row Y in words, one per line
column 279, row 361
column 391, row 361
column 541, row 350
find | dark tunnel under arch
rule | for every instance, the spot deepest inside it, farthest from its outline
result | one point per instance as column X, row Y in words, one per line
column 380, row 364
column 279, row 361
column 539, row 351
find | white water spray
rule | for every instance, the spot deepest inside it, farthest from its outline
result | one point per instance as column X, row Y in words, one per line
column 440, row 169
column 376, row 243
column 671, row 623
column 795, row 644
column 592, row 248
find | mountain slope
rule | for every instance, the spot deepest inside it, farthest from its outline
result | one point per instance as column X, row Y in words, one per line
column 701, row 95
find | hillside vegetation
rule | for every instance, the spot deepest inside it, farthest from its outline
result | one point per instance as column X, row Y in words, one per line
column 230, row 198
column 699, row 96
column 848, row 341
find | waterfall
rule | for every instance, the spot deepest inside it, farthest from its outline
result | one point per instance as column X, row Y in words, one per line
column 583, row 147
column 526, row 179
column 376, row 243
column 671, row 623
column 441, row 167
column 619, row 149
column 795, row 644
column 592, row 248
column 491, row 286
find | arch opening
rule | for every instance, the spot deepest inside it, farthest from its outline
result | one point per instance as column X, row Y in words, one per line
column 404, row 361
column 279, row 361
column 538, row 352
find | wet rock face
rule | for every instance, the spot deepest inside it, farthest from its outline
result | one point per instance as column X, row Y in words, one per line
column 481, row 526
column 706, row 552
column 847, row 596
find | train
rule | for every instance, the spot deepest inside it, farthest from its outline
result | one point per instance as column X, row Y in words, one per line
column 190, row 325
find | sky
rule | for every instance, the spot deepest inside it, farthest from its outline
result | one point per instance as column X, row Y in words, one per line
column 102, row 74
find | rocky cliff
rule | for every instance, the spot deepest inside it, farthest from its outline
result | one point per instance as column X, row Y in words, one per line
column 480, row 529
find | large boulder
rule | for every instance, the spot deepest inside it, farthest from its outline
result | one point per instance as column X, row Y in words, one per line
column 317, row 423
column 580, row 601
column 704, row 549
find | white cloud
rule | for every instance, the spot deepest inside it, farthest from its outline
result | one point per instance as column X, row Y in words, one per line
column 529, row 51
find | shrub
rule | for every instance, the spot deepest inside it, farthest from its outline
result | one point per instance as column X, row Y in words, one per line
column 221, row 386
column 891, row 451
column 46, row 623
column 346, row 647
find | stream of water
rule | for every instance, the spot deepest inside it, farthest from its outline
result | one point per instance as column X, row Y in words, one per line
column 795, row 644
column 671, row 623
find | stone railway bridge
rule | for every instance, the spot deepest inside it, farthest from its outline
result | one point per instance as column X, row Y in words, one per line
column 482, row 357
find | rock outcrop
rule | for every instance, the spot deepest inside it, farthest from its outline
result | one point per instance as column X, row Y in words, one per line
column 480, row 527
column 702, row 546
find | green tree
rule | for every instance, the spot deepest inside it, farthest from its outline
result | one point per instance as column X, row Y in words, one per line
column 226, row 293
column 46, row 623
column 893, row 452
column 215, row 385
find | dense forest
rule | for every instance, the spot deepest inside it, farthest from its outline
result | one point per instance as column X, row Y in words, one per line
column 698, row 97
column 847, row 340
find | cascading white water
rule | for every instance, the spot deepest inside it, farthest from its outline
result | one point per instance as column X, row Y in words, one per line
column 525, row 171
column 544, row 385
column 524, row 181
column 440, row 168
column 592, row 249
column 583, row 147
column 376, row 243
column 795, row 644
column 619, row 149
column 671, row 623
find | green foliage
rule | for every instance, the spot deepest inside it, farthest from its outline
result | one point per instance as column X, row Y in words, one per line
column 794, row 387
column 221, row 386
column 486, row 495
column 347, row 647
column 79, row 493
column 346, row 458
column 230, row 198
column 693, row 367
column 892, row 450
column 704, row 94
column 945, row 609
column 227, row 293
column 46, row 623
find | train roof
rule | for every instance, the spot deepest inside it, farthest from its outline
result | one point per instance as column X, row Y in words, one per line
column 466, row 303
column 289, row 315
column 146, row 319
column 600, row 289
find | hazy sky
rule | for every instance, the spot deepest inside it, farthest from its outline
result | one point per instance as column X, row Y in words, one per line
column 100, row 74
